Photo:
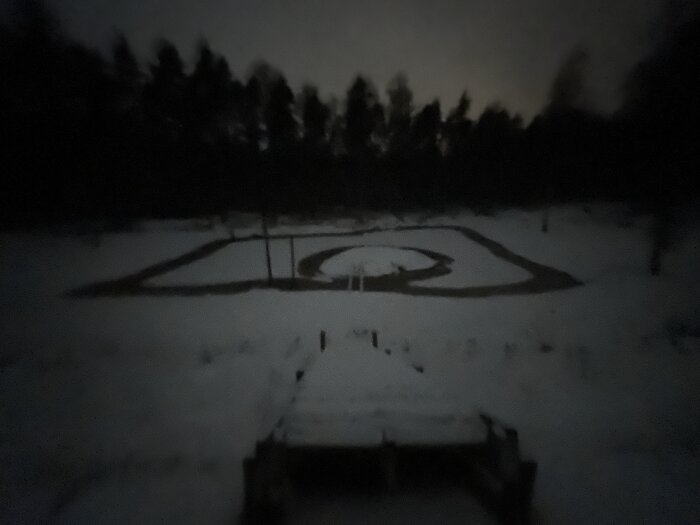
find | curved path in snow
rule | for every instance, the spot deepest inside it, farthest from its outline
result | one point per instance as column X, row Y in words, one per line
column 542, row 278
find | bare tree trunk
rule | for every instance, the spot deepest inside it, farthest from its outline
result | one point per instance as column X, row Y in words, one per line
column 267, row 249
column 549, row 194
column 655, row 264
column 660, row 236
column 291, row 253
column 545, row 220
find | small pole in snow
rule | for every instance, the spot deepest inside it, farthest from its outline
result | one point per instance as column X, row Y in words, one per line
column 291, row 252
column 323, row 340
column 267, row 249
column 375, row 339
column 547, row 205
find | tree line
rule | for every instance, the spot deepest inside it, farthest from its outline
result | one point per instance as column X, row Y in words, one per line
column 88, row 136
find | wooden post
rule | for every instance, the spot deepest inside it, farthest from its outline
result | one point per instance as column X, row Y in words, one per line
column 267, row 249
column 291, row 252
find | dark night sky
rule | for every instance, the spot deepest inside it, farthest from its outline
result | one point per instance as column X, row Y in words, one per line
column 499, row 50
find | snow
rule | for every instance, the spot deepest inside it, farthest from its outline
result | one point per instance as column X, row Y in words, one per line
column 141, row 409
column 357, row 395
column 44, row 264
column 374, row 261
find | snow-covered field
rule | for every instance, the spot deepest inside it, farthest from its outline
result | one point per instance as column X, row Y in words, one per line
column 473, row 265
column 140, row 409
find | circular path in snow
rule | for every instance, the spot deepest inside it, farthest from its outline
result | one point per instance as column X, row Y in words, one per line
column 396, row 263
column 374, row 261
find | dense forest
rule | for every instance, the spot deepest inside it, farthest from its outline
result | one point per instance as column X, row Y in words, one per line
column 91, row 136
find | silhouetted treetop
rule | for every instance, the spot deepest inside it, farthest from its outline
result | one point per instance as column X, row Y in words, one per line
column 169, row 65
column 568, row 91
column 251, row 113
column 125, row 64
column 279, row 117
column 266, row 77
column 212, row 97
column 664, row 86
column 399, row 111
column 400, row 98
column 361, row 116
column 458, row 127
column 164, row 94
column 315, row 116
column 459, row 113
column 426, row 128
